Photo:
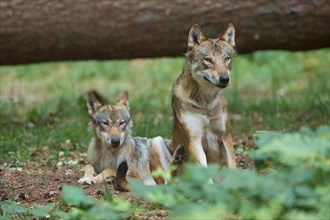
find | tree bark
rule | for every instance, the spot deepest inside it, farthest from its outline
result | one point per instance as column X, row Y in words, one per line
column 42, row 30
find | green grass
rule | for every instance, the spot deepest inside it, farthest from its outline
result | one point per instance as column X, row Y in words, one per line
column 42, row 106
column 281, row 90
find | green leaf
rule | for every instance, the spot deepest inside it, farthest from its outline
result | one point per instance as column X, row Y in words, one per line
column 199, row 210
column 11, row 207
column 76, row 197
column 162, row 194
column 120, row 204
column 61, row 214
column 102, row 211
column 304, row 191
column 42, row 211
column 4, row 217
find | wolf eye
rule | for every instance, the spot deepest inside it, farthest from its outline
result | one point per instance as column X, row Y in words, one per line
column 122, row 122
column 227, row 59
column 208, row 60
column 104, row 122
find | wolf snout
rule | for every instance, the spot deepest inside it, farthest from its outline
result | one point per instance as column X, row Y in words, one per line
column 223, row 81
column 115, row 142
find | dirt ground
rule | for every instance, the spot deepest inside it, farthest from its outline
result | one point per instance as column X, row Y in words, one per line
column 42, row 185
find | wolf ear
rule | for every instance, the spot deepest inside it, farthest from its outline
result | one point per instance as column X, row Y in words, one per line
column 195, row 37
column 124, row 100
column 229, row 35
column 92, row 104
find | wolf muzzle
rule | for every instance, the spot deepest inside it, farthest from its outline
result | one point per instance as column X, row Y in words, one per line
column 115, row 142
column 223, row 81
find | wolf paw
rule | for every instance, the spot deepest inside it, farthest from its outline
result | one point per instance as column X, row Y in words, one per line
column 87, row 180
column 149, row 181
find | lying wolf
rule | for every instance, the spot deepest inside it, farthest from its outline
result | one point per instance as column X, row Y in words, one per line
column 112, row 145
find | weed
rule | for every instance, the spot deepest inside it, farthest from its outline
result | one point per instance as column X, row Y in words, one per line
column 106, row 192
column 292, row 191
column 42, row 178
column 8, row 189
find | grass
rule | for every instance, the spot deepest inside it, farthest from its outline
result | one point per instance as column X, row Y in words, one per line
column 42, row 106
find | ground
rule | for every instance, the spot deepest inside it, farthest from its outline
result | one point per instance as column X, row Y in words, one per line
column 42, row 185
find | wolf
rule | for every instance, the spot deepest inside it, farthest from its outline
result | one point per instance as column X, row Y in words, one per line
column 112, row 146
column 201, row 122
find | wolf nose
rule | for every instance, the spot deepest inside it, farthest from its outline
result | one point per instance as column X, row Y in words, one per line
column 115, row 141
column 224, row 79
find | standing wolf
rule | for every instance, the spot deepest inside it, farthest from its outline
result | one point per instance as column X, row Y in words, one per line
column 201, row 122
column 112, row 144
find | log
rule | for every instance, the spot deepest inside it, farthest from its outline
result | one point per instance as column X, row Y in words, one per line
column 42, row 30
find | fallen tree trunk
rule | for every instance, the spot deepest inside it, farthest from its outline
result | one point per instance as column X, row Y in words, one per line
column 42, row 30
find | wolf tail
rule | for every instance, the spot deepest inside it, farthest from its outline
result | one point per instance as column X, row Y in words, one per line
column 121, row 182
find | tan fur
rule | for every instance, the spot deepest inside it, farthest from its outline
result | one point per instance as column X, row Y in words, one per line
column 157, row 148
column 201, row 121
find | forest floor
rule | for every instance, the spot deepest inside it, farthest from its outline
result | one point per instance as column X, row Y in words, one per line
column 42, row 184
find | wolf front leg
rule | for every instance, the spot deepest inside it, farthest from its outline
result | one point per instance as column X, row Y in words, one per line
column 195, row 149
column 90, row 178
column 228, row 151
column 89, row 173
column 193, row 126
column 105, row 175
column 224, row 150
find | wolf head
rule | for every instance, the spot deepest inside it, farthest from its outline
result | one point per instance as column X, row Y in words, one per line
column 110, row 123
column 210, row 60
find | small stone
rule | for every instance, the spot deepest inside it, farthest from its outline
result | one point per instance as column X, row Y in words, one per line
column 99, row 192
column 68, row 172
column 60, row 154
